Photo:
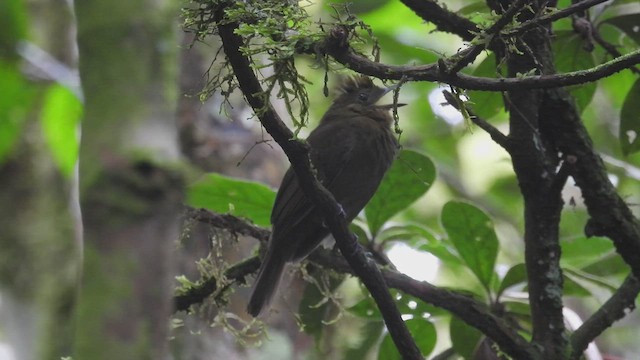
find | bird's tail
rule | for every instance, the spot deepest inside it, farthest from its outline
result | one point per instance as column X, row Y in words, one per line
column 266, row 283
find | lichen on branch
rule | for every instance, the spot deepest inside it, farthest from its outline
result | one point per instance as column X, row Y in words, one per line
column 273, row 34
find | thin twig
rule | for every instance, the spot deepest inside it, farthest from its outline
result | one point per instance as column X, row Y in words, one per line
column 551, row 17
column 472, row 53
column 614, row 309
column 200, row 292
column 497, row 136
column 610, row 48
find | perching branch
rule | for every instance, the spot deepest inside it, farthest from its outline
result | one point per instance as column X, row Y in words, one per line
column 234, row 274
column 337, row 47
column 298, row 154
column 229, row 222
column 466, row 308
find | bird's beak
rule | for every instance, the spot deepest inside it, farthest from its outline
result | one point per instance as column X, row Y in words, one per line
column 390, row 89
column 386, row 91
column 390, row 106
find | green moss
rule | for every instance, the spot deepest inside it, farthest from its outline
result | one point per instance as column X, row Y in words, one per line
column 274, row 32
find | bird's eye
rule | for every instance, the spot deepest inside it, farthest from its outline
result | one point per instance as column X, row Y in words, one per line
column 363, row 97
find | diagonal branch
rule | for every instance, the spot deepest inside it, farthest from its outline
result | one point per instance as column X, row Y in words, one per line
column 451, row 22
column 298, row 154
column 444, row 20
column 471, row 311
column 472, row 53
column 497, row 136
column 614, row 309
column 551, row 17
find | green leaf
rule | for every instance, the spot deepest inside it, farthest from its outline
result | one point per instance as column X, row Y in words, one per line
column 407, row 305
column 583, row 252
column 369, row 337
column 608, row 265
column 420, row 238
column 379, row 19
column 404, row 54
column 424, row 333
column 360, row 232
column 472, row 8
column 464, row 338
column 15, row 101
column 417, row 308
column 407, row 233
column 570, row 55
column 592, row 283
column 571, row 286
column 243, row 198
column 521, row 308
column 410, row 176
column 471, row 232
column 61, row 113
column 630, row 121
column 388, row 350
column 516, row 275
column 626, row 17
column 366, row 309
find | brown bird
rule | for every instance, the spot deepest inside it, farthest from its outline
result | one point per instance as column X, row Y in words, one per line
column 351, row 149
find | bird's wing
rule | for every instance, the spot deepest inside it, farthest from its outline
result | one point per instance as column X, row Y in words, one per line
column 368, row 155
column 291, row 205
column 347, row 158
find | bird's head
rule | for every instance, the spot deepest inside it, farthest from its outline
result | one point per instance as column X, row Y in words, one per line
column 360, row 95
column 362, row 91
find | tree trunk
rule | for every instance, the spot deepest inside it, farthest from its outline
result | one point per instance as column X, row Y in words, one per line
column 129, row 198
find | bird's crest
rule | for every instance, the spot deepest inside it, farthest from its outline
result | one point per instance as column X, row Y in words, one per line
column 353, row 83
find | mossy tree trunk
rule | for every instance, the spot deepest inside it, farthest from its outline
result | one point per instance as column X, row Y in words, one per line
column 129, row 198
column 39, row 237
